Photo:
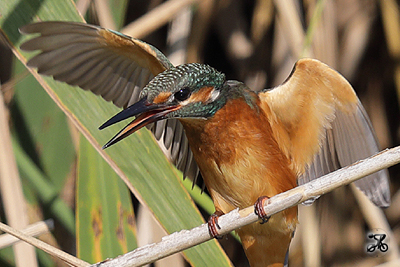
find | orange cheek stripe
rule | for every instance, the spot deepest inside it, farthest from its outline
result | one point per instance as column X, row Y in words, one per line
column 162, row 97
column 203, row 95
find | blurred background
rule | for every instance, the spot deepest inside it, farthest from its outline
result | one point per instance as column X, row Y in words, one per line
column 254, row 41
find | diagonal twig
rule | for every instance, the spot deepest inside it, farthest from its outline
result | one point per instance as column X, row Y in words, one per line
column 34, row 229
column 67, row 258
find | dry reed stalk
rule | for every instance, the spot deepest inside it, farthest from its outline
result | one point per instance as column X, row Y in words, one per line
column 104, row 14
column 156, row 18
column 11, row 192
column 35, row 229
column 201, row 24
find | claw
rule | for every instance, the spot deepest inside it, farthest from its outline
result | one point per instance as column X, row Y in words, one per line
column 259, row 209
column 213, row 224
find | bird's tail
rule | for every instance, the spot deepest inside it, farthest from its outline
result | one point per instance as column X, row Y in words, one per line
column 265, row 249
column 267, row 245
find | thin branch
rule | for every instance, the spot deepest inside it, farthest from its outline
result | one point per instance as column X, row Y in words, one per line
column 235, row 219
column 34, row 229
column 67, row 258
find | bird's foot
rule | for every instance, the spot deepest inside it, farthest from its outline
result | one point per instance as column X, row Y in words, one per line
column 213, row 224
column 259, row 209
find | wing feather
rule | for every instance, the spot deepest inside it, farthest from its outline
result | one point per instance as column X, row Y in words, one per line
column 109, row 64
column 176, row 148
column 169, row 132
column 321, row 125
column 87, row 56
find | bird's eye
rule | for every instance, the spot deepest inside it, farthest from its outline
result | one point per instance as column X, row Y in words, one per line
column 182, row 94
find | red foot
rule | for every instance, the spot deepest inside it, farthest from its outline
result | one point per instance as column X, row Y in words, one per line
column 259, row 209
column 213, row 224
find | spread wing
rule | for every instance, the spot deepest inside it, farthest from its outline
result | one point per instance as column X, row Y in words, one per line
column 321, row 125
column 109, row 64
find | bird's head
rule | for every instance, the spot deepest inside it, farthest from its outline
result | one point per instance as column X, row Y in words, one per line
column 187, row 91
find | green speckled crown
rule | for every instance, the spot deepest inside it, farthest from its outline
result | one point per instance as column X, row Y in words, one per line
column 193, row 75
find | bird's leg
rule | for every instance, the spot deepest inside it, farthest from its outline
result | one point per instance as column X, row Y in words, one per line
column 259, row 209
column 213, row 224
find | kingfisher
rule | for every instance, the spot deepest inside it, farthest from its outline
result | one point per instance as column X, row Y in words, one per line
column 248, row 146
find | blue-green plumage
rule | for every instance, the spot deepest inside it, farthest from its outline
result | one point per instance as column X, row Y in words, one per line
column 194, row 77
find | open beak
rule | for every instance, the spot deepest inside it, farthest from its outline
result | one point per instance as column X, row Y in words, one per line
column 144, row 112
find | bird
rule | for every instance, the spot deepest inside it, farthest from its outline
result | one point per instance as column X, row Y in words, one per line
column 247, row 145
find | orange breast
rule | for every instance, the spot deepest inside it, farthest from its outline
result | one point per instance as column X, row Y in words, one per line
column 240, row 161
column 238, row 156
